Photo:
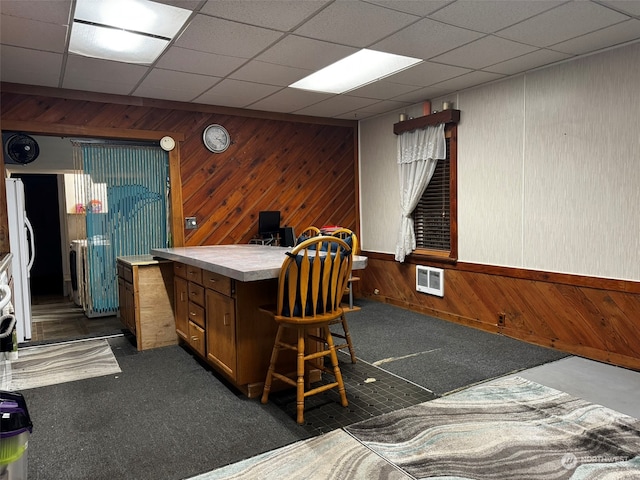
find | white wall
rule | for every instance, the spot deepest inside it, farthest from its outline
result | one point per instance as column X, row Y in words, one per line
column 56, row 156
column 548, row 170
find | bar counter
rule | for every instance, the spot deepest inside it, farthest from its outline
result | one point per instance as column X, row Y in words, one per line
column 244, row 263
column 219, row 290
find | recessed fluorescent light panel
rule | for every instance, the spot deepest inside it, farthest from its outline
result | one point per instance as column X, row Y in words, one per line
column 355, row 71
column 132, row 31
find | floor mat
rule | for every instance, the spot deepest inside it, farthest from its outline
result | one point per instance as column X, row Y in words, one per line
column 44, row 365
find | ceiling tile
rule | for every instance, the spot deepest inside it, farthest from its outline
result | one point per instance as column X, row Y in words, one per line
column 57, row 12
column 22, row 32
column 421, row 8
column 307, row 53
column 188, row 4
column 336, row 105
column 374, row 109
column 279, row 14
column 20, row 65
column 289, row 100
column 426, row 39
column 527, row 62
column 84, row 73
column 484, row 52
column 469, row 80
column 630, row 7
column 270, row 73
column 562, row 23
column 382, row 90
column 172, row 85
column 192, row 61
column 607, row 37
column 423, row 94
column 355, row 24
column 236, row 93
column 213, row 35
column 488, row 16
column 427, row 73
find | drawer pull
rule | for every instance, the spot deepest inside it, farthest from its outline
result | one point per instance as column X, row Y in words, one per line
column 194, row 338
column 212, row 280
column 193, row 314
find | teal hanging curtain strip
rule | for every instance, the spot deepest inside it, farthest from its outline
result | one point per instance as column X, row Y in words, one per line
column 126, row 212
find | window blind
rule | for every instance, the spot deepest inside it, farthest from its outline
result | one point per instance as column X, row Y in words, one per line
column 432, row 217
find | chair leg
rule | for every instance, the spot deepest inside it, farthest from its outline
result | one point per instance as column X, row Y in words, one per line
column 300, row 384
column 336, row 367
column 351, row 296
column 272, row 365
column 347, row 337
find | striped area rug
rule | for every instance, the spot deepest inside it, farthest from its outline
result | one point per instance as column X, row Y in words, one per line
column 510, row 428
column 43, row 365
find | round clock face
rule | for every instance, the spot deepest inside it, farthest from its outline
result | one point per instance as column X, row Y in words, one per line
column 167, row 143
column 216, row 138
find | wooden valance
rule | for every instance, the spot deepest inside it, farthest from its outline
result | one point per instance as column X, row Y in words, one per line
column 445, row 116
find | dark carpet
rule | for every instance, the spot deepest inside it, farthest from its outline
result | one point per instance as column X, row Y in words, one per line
column 167, row 416
column 437, row 354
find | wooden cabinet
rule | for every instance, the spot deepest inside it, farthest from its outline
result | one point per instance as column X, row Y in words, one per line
column 221, row 332
column 190, row 313
column 219, row 319
column 145, row 289
column 181, row 306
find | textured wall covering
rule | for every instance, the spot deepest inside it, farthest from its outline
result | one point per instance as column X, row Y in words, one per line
column 548, row 210
column 547, row 170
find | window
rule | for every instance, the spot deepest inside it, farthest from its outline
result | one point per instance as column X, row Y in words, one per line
column 435, row 217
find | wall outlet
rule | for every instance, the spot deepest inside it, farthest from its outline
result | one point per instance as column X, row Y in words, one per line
column 502, row 317
column 190, row 223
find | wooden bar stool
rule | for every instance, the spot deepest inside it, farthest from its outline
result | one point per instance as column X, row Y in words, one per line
column 312, row 278
column 350, row 238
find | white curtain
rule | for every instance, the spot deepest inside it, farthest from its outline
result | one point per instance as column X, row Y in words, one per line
column 418, row 154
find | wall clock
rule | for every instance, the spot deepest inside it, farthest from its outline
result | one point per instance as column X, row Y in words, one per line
column 216, row 138
column 167, row 143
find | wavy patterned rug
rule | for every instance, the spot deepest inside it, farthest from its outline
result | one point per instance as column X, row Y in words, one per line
column 511, row 428
column 43, row 365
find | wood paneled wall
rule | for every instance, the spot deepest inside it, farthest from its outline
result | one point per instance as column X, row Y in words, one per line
column 590, row 317
column 303, row 166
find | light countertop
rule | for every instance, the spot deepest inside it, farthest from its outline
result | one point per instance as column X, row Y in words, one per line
column 140, row 260
column 245, row 263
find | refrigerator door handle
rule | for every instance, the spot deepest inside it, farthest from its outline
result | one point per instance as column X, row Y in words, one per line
column 32, row 250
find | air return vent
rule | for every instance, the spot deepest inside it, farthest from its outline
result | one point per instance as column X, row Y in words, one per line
column 430, row 280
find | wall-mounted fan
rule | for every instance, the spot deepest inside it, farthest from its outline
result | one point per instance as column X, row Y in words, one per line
column 20, row 148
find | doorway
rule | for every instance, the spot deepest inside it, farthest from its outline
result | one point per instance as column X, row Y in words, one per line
column 55, row 317
column 43, row 210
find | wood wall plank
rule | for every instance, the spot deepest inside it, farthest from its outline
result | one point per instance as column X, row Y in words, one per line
column 591, row 321
column 303, row 168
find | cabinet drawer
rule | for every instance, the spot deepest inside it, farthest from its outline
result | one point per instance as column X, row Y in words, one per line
column 196, row 293
column 180, row 269
column 217, row 282
column 196, row 338
column 196, row 314
column 194, row 274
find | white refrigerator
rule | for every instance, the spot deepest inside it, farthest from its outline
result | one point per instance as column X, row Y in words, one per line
column 21, row 244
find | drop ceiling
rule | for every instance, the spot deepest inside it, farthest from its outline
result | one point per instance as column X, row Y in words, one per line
column 245, row 53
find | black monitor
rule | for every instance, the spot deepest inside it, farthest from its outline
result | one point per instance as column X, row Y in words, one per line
column 268, row 223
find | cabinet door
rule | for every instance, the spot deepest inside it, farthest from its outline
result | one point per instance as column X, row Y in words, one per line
column 130, row 307
column 221, row 331
column 122, row 294
column 181, row 307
